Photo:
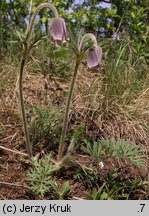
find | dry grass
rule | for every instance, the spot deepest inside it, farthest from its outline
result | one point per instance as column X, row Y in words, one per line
column 90, row 103
column 101, row 116
column 110, row 119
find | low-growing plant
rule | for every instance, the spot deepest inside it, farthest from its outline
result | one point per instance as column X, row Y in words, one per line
column 96, row 194
column 78, row 134
column 76, row 138
column 104, row 149
column 94, row 150
column 110, row 189
column 113, row 189
column 46, row 125
column 40, row 175
column 41, row 180
column 59, row 193
column 122, row 149
column 88, row 175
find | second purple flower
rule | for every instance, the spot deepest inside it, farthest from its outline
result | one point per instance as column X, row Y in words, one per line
column 94, row 57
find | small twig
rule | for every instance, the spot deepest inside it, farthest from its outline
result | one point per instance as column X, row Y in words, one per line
column 141, row 95
column 13, row 151
column 77, row 198
column 2, row 166
column 82, row 167
column 15, row 185
column 4, row 198
column 6, row 138
column 84, row 156
column 13, row 137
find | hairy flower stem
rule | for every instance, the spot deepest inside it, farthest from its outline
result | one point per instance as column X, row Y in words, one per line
column 85, row 38
column 33, row 18
column 66, row 117
column 23, row 61
column 28, row 145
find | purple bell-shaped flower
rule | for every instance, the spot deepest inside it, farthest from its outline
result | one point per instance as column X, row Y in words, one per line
column 58, row 30
column 94, row 58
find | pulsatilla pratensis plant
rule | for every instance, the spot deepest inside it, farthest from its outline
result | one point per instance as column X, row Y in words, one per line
column 58, row 35
column 94, row 58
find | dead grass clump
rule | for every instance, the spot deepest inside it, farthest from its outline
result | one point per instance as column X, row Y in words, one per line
column 105, row 117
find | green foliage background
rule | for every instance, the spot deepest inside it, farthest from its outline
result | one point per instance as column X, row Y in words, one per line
column 125, row 15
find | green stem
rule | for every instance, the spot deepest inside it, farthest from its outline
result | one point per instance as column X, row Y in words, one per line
column 65, row 124
column 33, row 18
column 28, row 145
column 85, row 38
column 23, row 61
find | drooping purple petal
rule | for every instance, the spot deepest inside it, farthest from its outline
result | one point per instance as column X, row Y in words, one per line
column 58, row 30
column 94, row 58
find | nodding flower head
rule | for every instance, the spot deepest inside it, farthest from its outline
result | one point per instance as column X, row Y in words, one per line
column 58, row 30
column 94, row 58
